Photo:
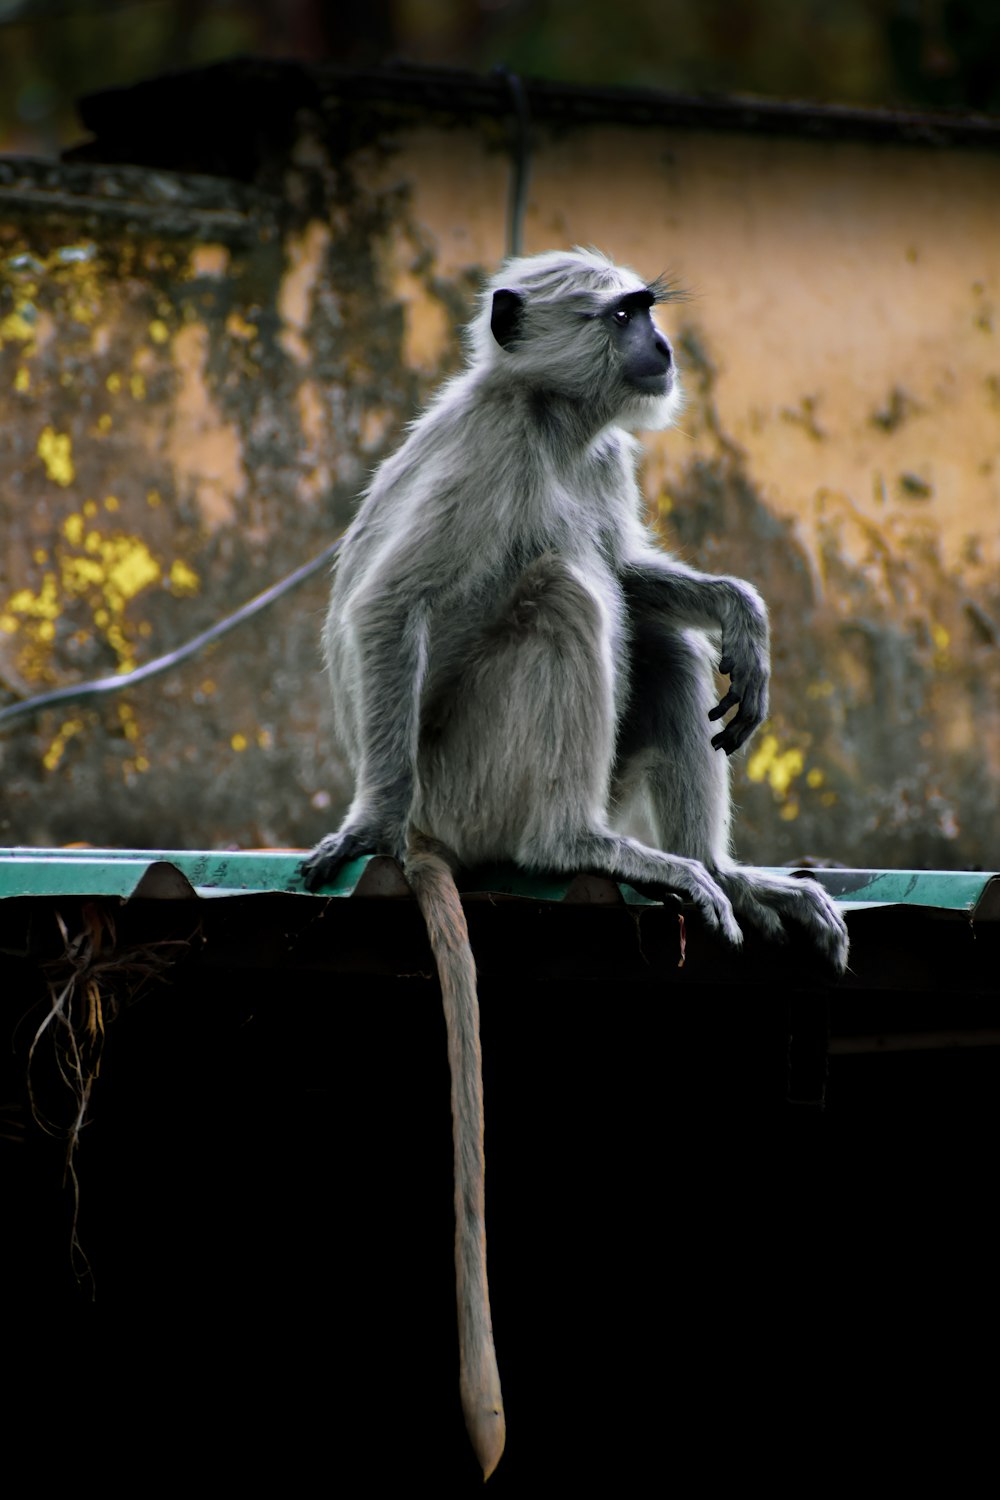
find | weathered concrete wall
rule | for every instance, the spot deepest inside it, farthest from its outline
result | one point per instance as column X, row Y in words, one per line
column 185, row 418
column 188, row 406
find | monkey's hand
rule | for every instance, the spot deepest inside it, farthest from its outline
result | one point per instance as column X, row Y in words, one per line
column 350, row 841
column 746, row 662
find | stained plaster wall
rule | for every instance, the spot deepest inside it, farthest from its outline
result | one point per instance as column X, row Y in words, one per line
column 190, row 404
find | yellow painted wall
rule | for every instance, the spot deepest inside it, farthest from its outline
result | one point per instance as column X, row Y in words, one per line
column 841, row 351
column 184, row 416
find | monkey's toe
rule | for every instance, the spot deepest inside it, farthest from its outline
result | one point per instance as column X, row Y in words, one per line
column 717, row 910
column 832, row 939
column 820, row 914
column 329, row 855
column 316, row 870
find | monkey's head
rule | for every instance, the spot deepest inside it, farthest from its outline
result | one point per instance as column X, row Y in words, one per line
column 575, row 325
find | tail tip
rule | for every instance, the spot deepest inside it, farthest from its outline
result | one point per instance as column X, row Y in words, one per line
column 488, row 1434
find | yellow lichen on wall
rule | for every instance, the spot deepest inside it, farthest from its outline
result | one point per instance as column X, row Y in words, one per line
column 941, row 638
column 57, row 745
column 75, row 270
column 55, row 449
column 108, row 572
column 17, row 326
column 183, row 579
column 30, row 616
column 238, row 327
column 103, row 571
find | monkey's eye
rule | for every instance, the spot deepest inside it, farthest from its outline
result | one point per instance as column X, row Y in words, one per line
column 622, row 317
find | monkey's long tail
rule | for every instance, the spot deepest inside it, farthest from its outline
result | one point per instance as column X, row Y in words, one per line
column 429, row 872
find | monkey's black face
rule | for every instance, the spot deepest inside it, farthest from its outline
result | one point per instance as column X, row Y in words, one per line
column 646, row 356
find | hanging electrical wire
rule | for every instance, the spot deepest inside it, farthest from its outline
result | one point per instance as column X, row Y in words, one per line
column 98, row 687
column 101, row 685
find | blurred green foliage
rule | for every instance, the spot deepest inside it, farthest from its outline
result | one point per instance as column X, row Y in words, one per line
column 917, row 53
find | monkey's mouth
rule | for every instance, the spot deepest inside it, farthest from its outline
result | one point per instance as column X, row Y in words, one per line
column 653, row 385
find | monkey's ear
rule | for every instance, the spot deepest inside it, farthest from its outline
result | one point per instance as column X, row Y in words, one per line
column 505, row 320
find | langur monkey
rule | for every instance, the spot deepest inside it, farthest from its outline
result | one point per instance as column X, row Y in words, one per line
column 520, row 672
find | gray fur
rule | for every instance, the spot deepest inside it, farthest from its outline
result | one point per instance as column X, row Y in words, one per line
column 518, row 669
column 519, row 672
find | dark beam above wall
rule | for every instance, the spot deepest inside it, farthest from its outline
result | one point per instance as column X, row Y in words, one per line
column 246, row 102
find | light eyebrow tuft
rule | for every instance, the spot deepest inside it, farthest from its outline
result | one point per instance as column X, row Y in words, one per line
column 664, row 289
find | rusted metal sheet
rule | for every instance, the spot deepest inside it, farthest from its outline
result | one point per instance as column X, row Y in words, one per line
column 189, row 405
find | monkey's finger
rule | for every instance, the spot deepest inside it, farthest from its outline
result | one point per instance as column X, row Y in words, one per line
column 730, row 738
column 727, row 742
column 728, row 702
column 726, row 666
column 736, row 733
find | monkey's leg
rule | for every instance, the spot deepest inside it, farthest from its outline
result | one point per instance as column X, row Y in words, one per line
column 518, row 764
column 667, row 768
column 377, row 657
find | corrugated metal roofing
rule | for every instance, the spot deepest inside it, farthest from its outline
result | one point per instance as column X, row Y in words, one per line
column 181, row 874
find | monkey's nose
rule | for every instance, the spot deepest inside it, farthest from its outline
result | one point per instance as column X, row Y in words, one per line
column 663, row 345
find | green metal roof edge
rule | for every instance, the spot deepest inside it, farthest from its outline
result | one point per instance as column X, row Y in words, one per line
column 205, row 873
column 975, row 892
column 120, row 872
column 178, row 872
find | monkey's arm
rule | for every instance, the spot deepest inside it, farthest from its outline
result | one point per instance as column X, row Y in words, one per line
column 660, row 584
column 379, row 642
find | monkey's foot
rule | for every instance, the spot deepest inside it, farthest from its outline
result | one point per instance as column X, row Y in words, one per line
column 694, row 882
column 628, row 859
column 331, row 852
column 770, row 901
